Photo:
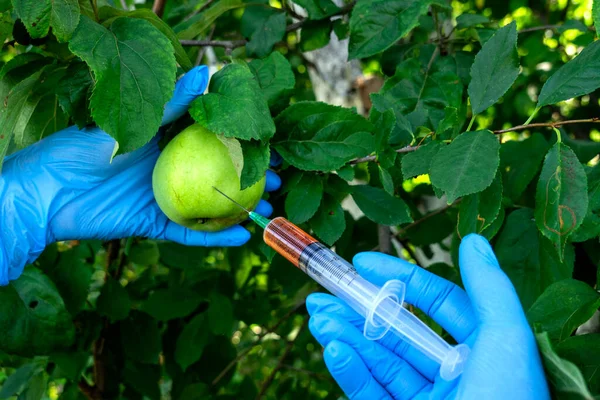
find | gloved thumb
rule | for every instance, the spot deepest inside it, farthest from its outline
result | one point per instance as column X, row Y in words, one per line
column 491, row 292
column 187, row 89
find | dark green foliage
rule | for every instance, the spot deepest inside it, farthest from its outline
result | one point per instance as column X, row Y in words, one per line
column 138, row 318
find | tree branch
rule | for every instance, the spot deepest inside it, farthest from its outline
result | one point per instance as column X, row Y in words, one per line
column 594, row 120
column 267, row 383
column 95, row 8
column 233, row 44
column 258, row 341
column 228, row 44
column 409, row 149
column 159, row 7
column 545, row 27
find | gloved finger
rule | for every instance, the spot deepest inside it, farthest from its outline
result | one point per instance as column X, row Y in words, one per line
column 275, row 159
column 351, row 373
column 393, row 373
column 233, row 236
column 273, row 181
column 442, row 300
column 321, row 303
column 493, row 295
column 264, row 208
column 187, row 89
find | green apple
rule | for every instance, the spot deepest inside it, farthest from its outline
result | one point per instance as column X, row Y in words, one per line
column 184, row 176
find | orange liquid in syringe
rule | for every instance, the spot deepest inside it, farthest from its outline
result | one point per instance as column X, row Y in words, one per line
column 287, row 239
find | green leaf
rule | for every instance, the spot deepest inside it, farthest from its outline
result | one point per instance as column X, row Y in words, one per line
column 468, row 20
column 201, row 22
column 380, row 206
column 563, row 375
column 191, row 342
column 583, row 351
column 275, row 77
column 167, row 304
column 494, row 228
column 28, row 306
column 589, row 228
column 315, row 35
column 263, row 27
column 179, row 256
column 18, row 379
column 419, row 96
column 596, row 16
column 47, row 117
column 148, row 15
column 74, row 92
column 140, row 338
column 585, row 150
column 528, row 258
column 144, row 378
column 384, row 123
column 113, row 301
column 376, row 25
column 318, row 9
column 144, row 253
column 561, row 199
column 70, row 364
column 478, row 211
column 235, row 106
column 520, row 161
column 36, row 388
column 329, row 222
column 6, row 26
column 39, row 15
column 220, row 315
column 256, row 162
column 234, row 148
column 419, row 162
column 563, row 307
column 303, row 201
column 576, row 78
column 593, row 177
column 134, row 68
column 18, row 107
column 72, row 277
column 386, row 180
column 467, row 165
column 314, row 136
column 495, row 68
column 346, row 173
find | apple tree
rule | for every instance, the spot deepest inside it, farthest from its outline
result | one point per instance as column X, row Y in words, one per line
column 453, row 117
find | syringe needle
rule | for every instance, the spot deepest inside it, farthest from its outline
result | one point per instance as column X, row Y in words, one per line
column 238, row 204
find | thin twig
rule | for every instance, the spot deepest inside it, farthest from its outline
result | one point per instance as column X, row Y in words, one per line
column 205, row 6
column 267, row 383
column 159, row 7
column 243, row 353
column 124, row 5
column 95, row 8
column 384, row 238
column 594, row 120
column 233, row 44
column 546, row 27
column 409, row 149
column 203, row 49
column 228, row 44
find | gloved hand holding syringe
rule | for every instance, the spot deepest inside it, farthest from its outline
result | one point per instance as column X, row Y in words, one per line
column 381, row 307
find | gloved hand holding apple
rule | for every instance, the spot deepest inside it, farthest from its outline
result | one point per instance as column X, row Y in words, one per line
column 65, row 187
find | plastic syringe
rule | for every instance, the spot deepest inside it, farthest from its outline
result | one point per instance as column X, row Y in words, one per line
column 381, row 307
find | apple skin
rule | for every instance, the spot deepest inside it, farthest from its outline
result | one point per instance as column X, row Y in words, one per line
column 184, row 176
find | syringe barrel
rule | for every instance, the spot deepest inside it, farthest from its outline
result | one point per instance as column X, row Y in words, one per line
column 321, row 264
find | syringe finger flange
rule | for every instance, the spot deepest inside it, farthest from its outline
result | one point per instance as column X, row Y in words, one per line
column 387, row 304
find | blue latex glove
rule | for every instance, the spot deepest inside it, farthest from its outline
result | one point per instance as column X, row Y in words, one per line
column 504, row 362
column 64, row 187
